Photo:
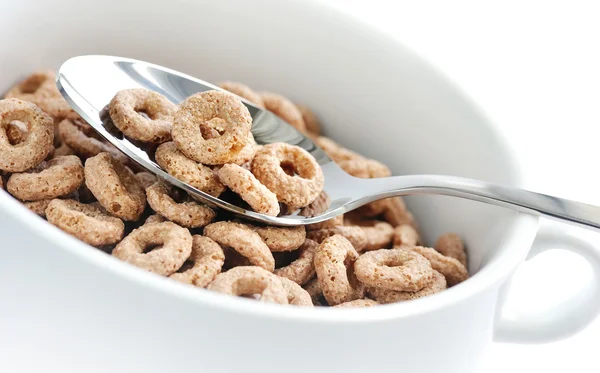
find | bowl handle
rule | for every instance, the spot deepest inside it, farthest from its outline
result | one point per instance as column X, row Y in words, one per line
column 566, row 318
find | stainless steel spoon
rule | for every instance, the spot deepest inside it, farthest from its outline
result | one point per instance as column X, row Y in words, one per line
column 89, row 82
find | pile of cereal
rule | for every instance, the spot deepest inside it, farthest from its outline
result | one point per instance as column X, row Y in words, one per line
column 58, row 167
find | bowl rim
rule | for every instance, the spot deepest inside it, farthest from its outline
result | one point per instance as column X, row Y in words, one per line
column 516, row 246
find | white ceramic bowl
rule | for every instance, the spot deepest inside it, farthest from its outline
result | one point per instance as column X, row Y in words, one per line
column 72, row 307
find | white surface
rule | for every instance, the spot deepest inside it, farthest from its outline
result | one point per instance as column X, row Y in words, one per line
column 534, row 68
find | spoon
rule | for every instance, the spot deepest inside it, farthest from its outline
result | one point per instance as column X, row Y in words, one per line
column 88, row 83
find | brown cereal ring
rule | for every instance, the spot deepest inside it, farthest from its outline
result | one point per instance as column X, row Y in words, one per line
column 327, row 224
column 212, row 108
column 243, row 240
column 310, row 120
column 334, row 261
column 38, row 143
column 38, row 207
column 372, row 209
column 188, row 214
column 156, row 218
column 280, row 239
column 179, row 166
column 406, row 235
column 335, row 151
column 385, row 296
column 115, row 186
column 240, row 281
column 146, row 179
column 174, row 247
column 295, row 191
column 365, row 168
column 378, row 233
column 358, row 303
column 63, row 149
column 86, row 222
column 295, row 294
column 318, row 206
column 356, row 235
column 396, row 213
column 395, row 269
column 243, row 91
column 50, row 179
column 283, row 108
column 207, row 257
column 79, row 137
column 451, row 268
column 302, row 269
column 243, row 183
column 450, row 244
column 126, row 106
column 245, row 155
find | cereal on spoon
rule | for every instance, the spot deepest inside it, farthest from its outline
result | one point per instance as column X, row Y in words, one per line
column 57, row 166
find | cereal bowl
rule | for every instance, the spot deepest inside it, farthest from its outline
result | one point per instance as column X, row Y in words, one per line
column 72, row 306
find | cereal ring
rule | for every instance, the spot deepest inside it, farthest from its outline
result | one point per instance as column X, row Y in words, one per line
column 356, row 235
column 246, row 154
column 38, row 207
column 451, row 268
column 179, row 166
column 146, row 179
column 188, row 214
column 313, row 289
column 214, row 109
column 126, row 109
column 243, row 91
column 378, row 233
column 33, row 149
column 295, row 294
column 174, row 245
column 406, row 235
column 283, row 108
column 396, row 213
column 318, row 206
column 358, row 303
column 207, row 257
column 310, row 120
column 50, row 179
column 335, row 151
column 373, row 209
column 86, row 222
column 242, row 182
column 78, row 136
column 385, row 296
column 395, row 269
column 156, row 218
column 450, row 244
column 280, row 239
column 295, row 191
column 334, row 261
column 327, row 224
column 240, row 281
column 365, row 168
column 302, row 269
column 115, row 186
column 63, row 149
column 243, row 240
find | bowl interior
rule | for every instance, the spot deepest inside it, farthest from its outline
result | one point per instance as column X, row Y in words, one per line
column 370, row 93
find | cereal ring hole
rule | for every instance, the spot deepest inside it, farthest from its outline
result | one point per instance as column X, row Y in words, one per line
column 289, row 168
column 16, row 132
column 151, row 246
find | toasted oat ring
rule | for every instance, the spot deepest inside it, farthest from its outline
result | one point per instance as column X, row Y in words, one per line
column 450, row 244
column 125, row 108
column 302, row 269
column 295, row 294
column 280, row 239
column 318, row 206
column 115, row 186
column 378, row 233
column 207, row 257
column 310, row 120
column 243, row 91
column 356, row 235
column 247, row 153
column 295, row 191
column 334, row 261
column 175, row 247
column 179, row 166
column 396, row 213
column 78, row 136
column 212, row 108
column 38, row 207
column 451, row 268
column 243, row 240
column 146, row 178
column 327, row 224
column 283, row 108
column 365, row 168
column 385, row 296
column 406, row 235
column 358, row 303
column 242, row 182
column 240, row 281
column 188, row 214
column 50, row 179
column 395, row 269
column 86, row 222
column 38, row 143
column 155, row 218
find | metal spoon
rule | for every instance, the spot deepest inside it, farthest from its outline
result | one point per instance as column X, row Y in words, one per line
column 89, row 82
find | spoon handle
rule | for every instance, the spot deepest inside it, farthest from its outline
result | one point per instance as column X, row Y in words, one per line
column 513, row 198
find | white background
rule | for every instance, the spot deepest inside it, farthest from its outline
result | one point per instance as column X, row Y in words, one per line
column 534, row 68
